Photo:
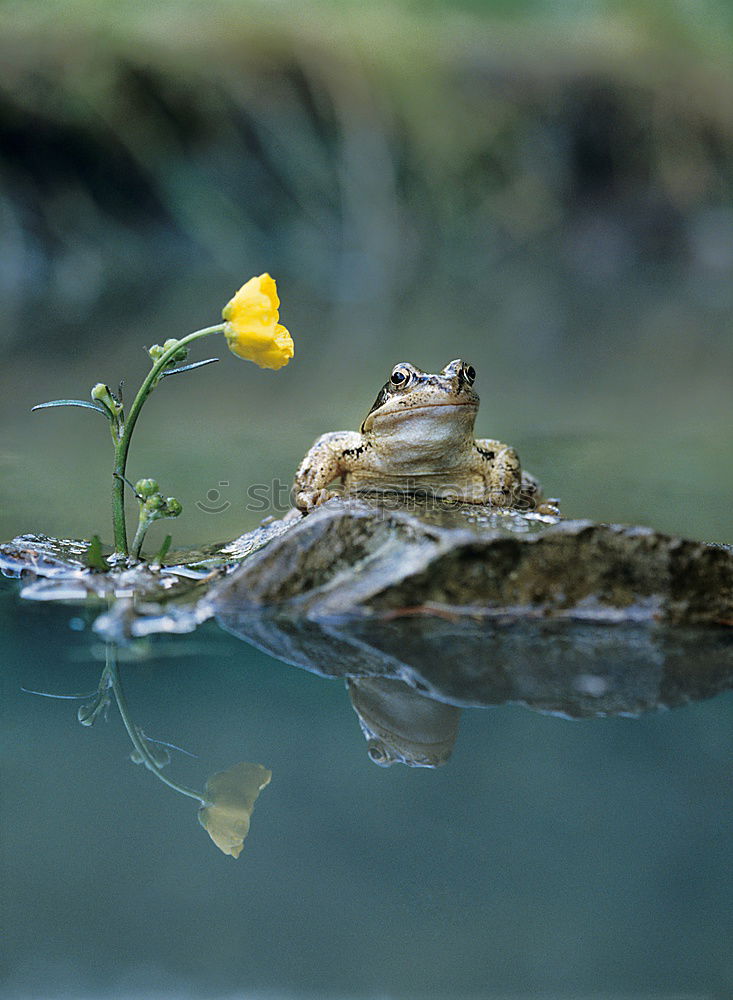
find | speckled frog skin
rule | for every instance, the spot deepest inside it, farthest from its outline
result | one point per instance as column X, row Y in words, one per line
column 418, row 437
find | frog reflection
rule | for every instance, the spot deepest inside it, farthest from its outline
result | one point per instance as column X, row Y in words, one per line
column 401, row 725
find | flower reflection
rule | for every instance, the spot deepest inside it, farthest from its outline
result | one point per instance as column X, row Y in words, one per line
column 228, row 798
column 231, row 797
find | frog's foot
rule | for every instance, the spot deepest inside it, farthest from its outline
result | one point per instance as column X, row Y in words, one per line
column 549, row 507
column 503, row 498
column 308, row 500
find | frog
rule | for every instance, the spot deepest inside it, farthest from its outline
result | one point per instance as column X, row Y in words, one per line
column 418, row 439
column 402, row 725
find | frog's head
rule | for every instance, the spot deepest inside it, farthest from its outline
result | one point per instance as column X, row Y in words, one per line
column 402, row 725
column 410, row 392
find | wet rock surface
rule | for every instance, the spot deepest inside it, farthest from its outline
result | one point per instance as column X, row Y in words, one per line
column 357, row 558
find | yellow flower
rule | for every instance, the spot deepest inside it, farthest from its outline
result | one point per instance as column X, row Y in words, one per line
column 252, row 328
column 231, row 797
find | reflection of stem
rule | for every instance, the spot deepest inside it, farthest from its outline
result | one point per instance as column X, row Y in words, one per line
column 111, row 675
column 123, row 445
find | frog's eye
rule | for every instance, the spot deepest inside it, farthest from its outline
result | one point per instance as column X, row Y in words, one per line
column 399, row 377
column 378, row 753
column 469, row 373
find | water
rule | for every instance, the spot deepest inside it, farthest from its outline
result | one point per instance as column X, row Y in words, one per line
column 546, row 858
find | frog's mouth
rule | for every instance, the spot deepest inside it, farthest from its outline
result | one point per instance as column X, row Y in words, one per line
column 391, row 414
column 434, row 406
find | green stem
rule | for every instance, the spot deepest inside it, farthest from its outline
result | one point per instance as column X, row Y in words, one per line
column 123, row 445
column 137, row 542
column 138, row 741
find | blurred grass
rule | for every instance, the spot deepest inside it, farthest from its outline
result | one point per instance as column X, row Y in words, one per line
column 344, row 130
column 544, row 188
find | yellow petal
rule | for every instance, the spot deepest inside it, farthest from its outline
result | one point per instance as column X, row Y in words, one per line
column 267, row 349
column 231, row 796
column 252, row 325
column 259, row 292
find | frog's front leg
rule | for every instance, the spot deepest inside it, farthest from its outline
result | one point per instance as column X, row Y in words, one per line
column 501, row 471
column 331, row 457
column 508, row 485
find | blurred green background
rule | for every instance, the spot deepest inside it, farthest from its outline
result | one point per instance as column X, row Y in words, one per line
column 544, row 188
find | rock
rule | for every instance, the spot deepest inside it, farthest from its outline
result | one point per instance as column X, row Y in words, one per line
column 362, row 559
column 354, row 557
column 422, row 610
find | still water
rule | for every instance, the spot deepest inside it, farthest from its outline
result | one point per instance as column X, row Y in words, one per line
column 548, row 857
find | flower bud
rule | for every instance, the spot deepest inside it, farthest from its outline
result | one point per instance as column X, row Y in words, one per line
column 173, row 507
column 146, row 487
column 88, row 714
column 180, row 355
column 153, row 506
column 101, row 392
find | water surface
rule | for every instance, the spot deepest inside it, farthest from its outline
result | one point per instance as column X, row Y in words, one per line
column 547, row 857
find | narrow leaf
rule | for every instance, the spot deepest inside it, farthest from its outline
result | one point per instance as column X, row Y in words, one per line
column 63, row 697
column 172, row 746
column 188, row 368
column 94, row 557
column 163, row 549
column 73, row 402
